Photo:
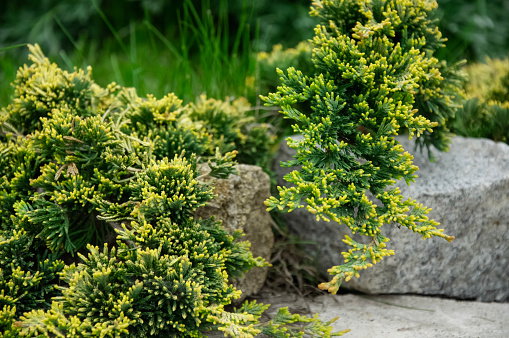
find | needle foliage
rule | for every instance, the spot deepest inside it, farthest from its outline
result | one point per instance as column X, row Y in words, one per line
column 98, row 235
column 374, row 77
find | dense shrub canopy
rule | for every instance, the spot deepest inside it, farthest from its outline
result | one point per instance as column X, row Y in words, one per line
column 112, row 177
column 98, row 233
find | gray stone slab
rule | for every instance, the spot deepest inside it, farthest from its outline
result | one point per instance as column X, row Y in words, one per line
column 397, row 316
column 404, row 316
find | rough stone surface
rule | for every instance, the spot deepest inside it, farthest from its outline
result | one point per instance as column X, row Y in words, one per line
column 468, row 190
column 239, row 205
column 396, row 316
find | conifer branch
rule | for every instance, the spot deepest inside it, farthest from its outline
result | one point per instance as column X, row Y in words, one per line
column 373, row 69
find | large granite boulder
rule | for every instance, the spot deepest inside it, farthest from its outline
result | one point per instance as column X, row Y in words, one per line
column 239, row 205
column 468, row 190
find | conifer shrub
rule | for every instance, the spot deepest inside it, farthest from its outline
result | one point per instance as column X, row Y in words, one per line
column 298, row 57
column 439, row 94
column 233, row 129
column 98, row 235
column 486, row 110
column 375, row 77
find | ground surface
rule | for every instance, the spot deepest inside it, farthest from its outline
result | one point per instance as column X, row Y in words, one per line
column 400, row 316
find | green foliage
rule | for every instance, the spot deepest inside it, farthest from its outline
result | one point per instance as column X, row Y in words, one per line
column 276, row 22
column 402, row 24
column 35, row 96
column 232, row 128
column 56, row 323
column 486, row 111
column 55, row 22
column 148, row 288
column 27, row 278
column 85, row 166
column 287, row 325
column 7, row 321
column 189, row 60
column 373, row 60
column 167, row 188
column 243, row 322
column 475, row 29
column 298, row 58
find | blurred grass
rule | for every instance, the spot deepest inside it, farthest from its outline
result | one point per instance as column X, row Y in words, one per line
column 207, row 57
column 475, row 29
column 191, row 47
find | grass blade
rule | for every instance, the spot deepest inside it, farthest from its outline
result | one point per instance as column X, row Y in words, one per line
column 12, row 47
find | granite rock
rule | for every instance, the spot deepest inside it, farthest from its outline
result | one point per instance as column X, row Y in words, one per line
column 468, row 190
column 239, row 205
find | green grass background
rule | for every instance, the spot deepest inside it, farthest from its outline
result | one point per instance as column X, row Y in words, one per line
column 194, row 47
